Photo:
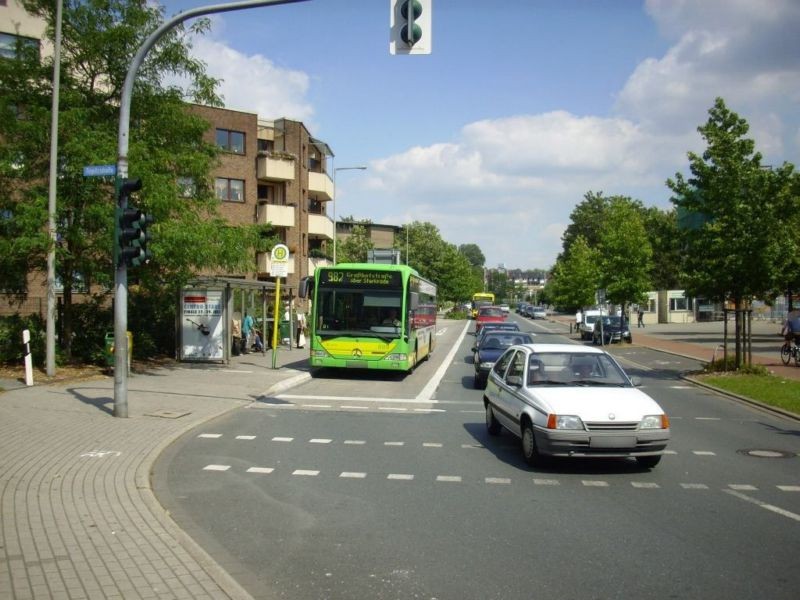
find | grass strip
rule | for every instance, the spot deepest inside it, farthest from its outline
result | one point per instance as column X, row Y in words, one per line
column 769, row 389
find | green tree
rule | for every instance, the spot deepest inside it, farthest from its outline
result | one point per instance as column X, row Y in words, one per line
column 100, row 38
column 575, row 277
column 356, row 247
column 732, row 252
column 586, row 221
column 625, row 253
column 665, row 240
column 437, row 260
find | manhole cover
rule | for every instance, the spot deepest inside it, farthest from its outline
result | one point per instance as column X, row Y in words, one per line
column 762, row 453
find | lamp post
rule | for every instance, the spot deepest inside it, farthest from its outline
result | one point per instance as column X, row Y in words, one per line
column 359, row 168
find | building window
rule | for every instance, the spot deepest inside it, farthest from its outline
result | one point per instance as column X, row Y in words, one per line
column 230, row 141
column 681, row 303
column 229, row 190
column 9, row 41
column 266, row 145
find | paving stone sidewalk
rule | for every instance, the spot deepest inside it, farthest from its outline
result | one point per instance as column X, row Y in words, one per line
column 78, row 516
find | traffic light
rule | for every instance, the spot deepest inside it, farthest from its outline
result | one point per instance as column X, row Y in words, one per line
column 410, row 27
column 131, row 229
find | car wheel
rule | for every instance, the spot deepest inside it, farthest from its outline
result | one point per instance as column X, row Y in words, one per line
column 648, row 462
column 529, row 451
column 478, row 382
column 492, row 425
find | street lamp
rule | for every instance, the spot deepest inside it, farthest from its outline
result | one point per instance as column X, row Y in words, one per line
column 359, row 168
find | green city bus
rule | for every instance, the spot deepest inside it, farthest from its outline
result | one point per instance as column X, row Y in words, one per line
column 370, row 316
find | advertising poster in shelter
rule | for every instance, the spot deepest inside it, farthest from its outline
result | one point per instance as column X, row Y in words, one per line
column 202, row 331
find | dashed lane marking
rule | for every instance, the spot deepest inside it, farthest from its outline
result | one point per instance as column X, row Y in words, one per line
column 212, row 436
column 216, row 467
column 245, row 437
column 305, row 472
column 400, row 476
column 449, row 478
column 261, row 470
column 352, row 475
column 770, row 507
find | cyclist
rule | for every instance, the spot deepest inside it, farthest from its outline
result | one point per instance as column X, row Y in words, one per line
column 791, row 329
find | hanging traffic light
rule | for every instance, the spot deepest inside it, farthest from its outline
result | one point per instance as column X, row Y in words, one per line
column 131, row 229
column 410, row 27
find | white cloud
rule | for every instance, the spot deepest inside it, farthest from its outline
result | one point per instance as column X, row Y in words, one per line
column 270, row 91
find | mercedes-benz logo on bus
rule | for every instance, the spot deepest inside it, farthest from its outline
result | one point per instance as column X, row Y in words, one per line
column 356, row 353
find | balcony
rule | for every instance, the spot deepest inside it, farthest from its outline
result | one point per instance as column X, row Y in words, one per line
column 275, row 167
column 313, row 263
column 320, row 185
column 264, row 260
column 278, row 216
column 320, row 226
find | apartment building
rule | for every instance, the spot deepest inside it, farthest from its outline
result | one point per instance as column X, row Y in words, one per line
column 16, row 24
column 274, row 172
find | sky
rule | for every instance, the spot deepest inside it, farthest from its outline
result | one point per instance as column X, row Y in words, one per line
column 522, row 107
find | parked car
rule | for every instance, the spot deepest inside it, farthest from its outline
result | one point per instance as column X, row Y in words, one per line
column 504, row 307
column 565, row 400
column 493, row 344
column 611, row 329
column 539, row 312
column 489, row 314
column 586, row 328
column 521, row 307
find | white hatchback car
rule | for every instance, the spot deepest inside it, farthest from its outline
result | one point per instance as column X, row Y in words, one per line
column 572, row 401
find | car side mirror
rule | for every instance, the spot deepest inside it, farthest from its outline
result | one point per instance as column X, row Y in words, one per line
column 636, row 381
column 514, row 380
column 474, row 348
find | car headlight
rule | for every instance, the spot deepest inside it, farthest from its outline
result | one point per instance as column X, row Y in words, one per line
column 396, row 357
column 564, row 422
column 486, row 365
column 654, row 422
column 319, row 353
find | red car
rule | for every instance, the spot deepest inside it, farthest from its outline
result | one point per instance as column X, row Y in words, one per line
column 489, row 314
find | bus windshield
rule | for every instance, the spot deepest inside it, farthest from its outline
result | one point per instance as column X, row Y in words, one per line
column 359, row 312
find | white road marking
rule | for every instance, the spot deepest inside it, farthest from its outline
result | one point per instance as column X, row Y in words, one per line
column 681, row 387
column 472, row 446
column 427, row 392
column 212, row 436
column 789, row 488
column 319, row 441
column 356, row 407
column 594, row 483
column 429, row 410
column 670, row 452
column 316, row 406
column 740, row 487
column 449, row 478
column 703, row 453
column 355, row 442
column 351, row 475
column 694, row 486
column 394, row 443
column 770, row 507
column 707, row 419
column 282, row 439
column 400, row 476
column 395, row 408
column 305, row 472
column 498, row 480
column 263, row 470
column 645, row 485
column 245, row 437
column 216, row 467
column 550, row 482
column 431, row 445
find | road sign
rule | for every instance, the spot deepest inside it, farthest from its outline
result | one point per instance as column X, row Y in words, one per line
column 279, row 265
column 100, row 171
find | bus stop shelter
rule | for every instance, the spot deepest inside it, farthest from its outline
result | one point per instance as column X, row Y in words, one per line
column 208, row 307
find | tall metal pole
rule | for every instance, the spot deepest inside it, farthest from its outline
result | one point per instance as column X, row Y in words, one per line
column 121, row 274
column 50, row 342
column 359, row 168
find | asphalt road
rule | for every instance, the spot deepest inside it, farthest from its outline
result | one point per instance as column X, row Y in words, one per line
column 366, row 486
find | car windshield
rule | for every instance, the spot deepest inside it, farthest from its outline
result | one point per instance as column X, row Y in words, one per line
column 496, row 341
column 494, row 311
column 612, row 321
column 574, row 368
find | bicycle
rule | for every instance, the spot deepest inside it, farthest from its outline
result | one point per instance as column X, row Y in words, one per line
column 790, row 351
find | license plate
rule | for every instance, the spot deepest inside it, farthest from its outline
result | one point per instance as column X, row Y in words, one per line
column 613, row 441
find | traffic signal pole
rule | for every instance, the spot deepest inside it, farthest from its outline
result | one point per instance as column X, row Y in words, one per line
column 121, row 273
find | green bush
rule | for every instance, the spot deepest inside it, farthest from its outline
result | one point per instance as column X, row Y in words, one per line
column 11, row 349
column 90, row 323
column 456, row 313
column 721, row 365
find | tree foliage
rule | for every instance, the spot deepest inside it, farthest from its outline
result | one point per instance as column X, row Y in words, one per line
column 356, row 247
column 438, row 260
column 100, row 38
column 575, row 277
